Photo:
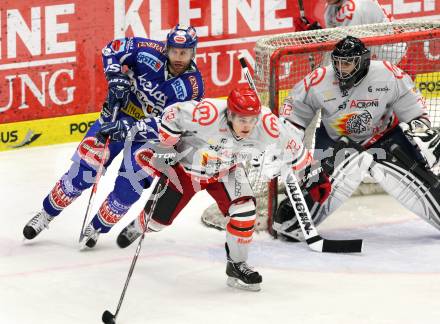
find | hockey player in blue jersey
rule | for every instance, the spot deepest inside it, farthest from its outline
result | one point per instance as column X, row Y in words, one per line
column 144, row 76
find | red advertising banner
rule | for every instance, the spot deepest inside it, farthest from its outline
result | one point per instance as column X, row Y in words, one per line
column 50, row 50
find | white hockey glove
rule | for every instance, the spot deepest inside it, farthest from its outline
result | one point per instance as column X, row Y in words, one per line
column 427, row 139
column 270, row 165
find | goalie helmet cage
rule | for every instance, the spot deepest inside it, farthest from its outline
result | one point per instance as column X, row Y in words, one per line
column 283, row 60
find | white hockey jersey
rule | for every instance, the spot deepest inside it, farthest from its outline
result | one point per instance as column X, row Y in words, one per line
column 363, row 113
column 200, row 130
column 355, row 12
column 361, row 12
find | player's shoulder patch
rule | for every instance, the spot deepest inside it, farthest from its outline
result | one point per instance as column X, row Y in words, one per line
column 149, row 44
column 118, row 45
column 195, row 88
column 206, row 112
column 270, row 123
column 314, row 78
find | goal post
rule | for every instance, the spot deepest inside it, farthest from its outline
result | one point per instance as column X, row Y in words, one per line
column 285, row 59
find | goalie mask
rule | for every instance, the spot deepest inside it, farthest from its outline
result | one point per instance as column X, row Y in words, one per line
column 350, row 60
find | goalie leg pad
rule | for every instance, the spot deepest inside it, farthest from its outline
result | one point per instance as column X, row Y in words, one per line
column 410, row 184
column 345, row 179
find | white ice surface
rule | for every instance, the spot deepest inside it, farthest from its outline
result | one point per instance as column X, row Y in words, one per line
column 180, row 275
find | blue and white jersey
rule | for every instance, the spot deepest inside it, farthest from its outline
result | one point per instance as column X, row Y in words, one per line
column 152, row 86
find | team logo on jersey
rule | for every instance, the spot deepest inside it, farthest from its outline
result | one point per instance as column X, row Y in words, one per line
column 354, row 123
column 270, row 125
column 314, row 78
column 205, row 113
column 362, row 104
column 346, row 11
column 118, row 45
column 179, row 89
column 150, row 60
column 149, row 95
column 92, row 151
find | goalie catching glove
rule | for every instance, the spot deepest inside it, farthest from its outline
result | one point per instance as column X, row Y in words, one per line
column 427, row 140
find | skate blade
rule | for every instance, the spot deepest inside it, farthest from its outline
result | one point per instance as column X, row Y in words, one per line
column 236, row 283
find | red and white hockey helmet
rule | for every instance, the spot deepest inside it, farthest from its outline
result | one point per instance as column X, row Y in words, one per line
column 244, row 102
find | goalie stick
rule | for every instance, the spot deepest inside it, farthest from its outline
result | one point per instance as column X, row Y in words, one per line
column 107, row 316
column 98, row 177
column 311, row 235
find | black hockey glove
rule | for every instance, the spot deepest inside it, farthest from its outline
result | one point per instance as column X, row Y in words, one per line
column 427, row 140
column 116, row 131
column 118, row 91
column 315, row 184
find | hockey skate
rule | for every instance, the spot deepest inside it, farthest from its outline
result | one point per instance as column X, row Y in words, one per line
column 90, row 237
column 38, row 223
column 128, row 235
column 242, row 276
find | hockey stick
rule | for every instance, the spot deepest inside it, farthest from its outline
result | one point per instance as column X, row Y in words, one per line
column 107, row 316
column 98, row 176
column 313, row 239
column 311, row 235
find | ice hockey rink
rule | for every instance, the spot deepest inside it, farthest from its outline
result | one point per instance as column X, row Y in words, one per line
column 180, row 275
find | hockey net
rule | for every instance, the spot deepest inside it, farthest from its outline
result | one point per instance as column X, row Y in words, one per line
column 285, row 59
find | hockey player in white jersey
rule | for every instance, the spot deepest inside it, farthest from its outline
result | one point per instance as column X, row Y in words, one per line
column 212, row 138
column 339, row 13
column 362, row 103
column 345, row 13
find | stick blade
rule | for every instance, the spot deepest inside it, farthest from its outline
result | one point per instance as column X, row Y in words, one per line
column 108, row 317
column 342, row 246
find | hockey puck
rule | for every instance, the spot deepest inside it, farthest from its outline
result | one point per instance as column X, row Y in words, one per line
column 108, row 317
